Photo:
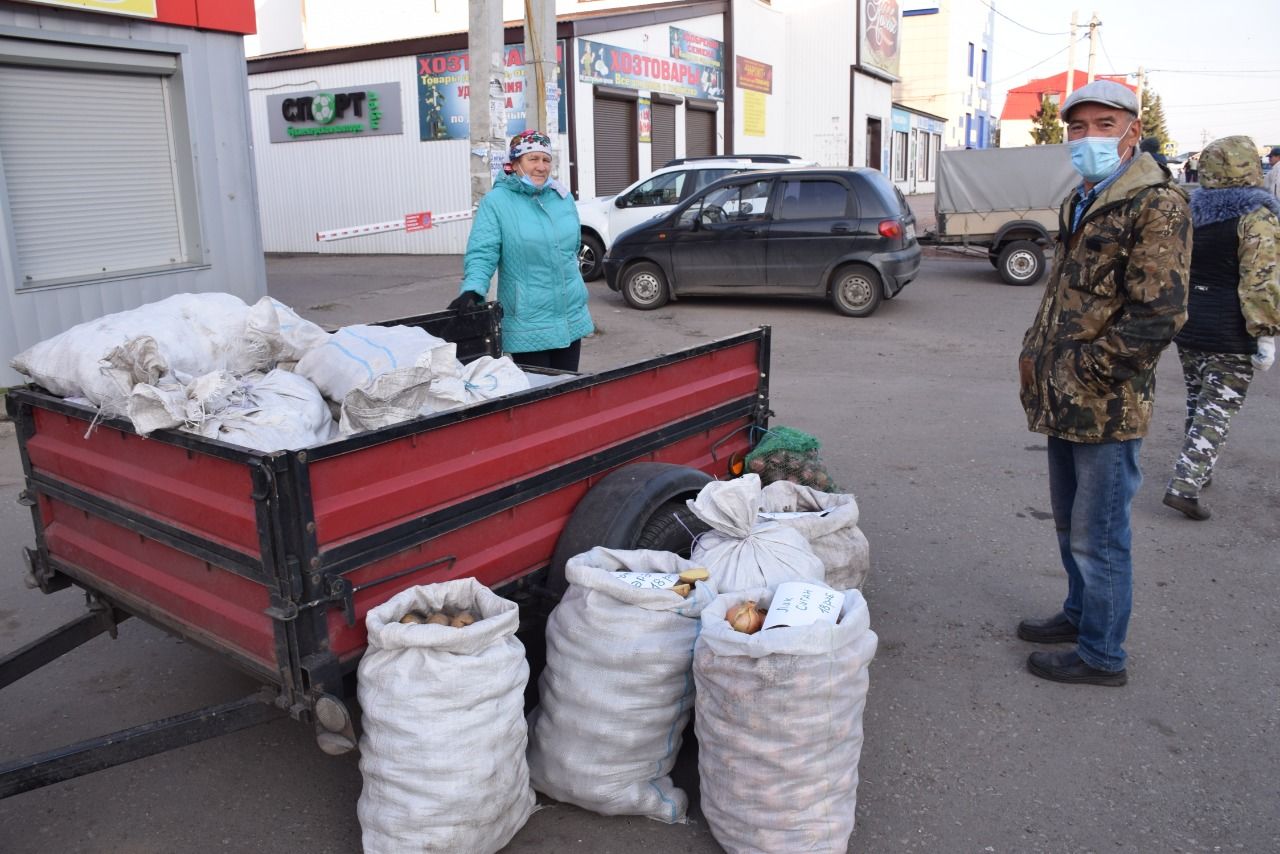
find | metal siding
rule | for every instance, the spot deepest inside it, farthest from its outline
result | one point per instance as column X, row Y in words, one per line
column 214, row 83
column 663, row 149
column 615, row 144
column 324, row 184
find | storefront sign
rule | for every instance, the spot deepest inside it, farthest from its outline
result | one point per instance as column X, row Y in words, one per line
column 879, row 29
column 753, row 109
column 444, row 92
column 332, row 113
column 136, row 8
column 644, row 119
column 754, row 75
column 692, row 47
column 604, row 64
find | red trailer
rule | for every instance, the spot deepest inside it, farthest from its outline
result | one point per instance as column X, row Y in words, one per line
column 273, row 560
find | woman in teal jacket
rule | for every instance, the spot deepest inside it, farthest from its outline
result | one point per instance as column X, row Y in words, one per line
column 527, row 229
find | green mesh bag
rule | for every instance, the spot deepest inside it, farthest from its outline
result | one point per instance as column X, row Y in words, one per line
column 788, row 454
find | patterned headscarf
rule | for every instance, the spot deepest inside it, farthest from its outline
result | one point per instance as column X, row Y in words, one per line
column 529, row 142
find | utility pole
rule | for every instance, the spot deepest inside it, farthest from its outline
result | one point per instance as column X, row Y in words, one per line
column 488, row 105
column 1142, row 86
column 1071, row 57
column 542, row 94
column 1094, row 23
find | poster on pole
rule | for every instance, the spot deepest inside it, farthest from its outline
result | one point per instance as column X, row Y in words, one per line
column 444, row 92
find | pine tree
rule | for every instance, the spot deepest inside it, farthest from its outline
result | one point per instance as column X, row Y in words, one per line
column 1153, row 116
column 1046, row 128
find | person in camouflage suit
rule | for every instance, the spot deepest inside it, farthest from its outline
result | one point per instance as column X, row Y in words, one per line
column 1233, row 312
column 1116, row 298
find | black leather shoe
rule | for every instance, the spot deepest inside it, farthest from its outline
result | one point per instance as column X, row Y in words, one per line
column 1068, row 667
column 1056, row 629
column 1190, row 507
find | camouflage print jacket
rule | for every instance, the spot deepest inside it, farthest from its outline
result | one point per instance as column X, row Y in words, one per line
column 1116, row 298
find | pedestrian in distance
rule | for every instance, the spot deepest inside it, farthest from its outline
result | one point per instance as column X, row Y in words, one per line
column 1273, row 174
column 1233, row 312
column 1116, row 297
column 526, row 229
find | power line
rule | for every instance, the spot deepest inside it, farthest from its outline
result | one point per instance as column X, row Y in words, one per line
column 1106, row 53
column 1019, row 23
column 1217, row 71
column 1041, row 62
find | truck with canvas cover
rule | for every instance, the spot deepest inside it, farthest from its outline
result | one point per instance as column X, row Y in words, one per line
column 1003, row 200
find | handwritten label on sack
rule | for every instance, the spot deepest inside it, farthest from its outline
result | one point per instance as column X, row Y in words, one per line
column 799, row 603
column 648, row 580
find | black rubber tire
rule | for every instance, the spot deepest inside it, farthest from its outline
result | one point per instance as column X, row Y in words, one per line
column 620, row 509
column 994, row 257
column 671, row 529
column 1021, row 263
column 644, row 286
column 590, row 257
column 856, row 290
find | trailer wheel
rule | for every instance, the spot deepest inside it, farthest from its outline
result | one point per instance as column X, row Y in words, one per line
column 994, row 257
column 1021, row 263
column 630, row 508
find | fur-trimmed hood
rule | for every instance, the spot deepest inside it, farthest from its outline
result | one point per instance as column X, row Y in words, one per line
column 1210, row 206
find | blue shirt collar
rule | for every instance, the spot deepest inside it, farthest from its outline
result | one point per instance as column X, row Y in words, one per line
column 1086, row 198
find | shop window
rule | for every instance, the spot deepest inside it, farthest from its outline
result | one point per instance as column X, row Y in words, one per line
column 899, row 156
column 106, row 189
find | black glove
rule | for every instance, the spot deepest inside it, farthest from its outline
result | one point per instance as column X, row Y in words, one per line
column 465, row 301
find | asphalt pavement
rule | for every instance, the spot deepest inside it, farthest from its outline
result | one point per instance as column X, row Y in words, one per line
column 965, row 751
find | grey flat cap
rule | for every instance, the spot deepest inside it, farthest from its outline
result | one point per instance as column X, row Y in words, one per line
column 1106, row 92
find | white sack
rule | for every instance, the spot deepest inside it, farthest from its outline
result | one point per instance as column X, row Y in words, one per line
column 829, row 523
column 267, row 412
column 741, row 550
column 779, row 725
column 185, row 334
column 487, row 378
column 355, row 356
column 433, row 383
column 444, row 737
column 290, row 336
column 617, row 690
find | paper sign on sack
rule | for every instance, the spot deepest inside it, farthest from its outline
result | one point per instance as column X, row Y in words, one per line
column 798, row 603
column 648, row 580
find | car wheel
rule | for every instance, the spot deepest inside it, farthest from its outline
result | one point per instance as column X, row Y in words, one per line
column 856, row 291
column 590, row 257
column 1021, row 263
column 644, row 286
column 994, row 257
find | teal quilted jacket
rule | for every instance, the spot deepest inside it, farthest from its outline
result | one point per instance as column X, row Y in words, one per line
column 530, row 237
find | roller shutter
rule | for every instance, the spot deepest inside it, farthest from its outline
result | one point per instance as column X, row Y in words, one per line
column 663, row 149
column 699, row 131
column 615, row 144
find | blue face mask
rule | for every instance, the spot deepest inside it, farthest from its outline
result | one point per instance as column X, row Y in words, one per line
column 1096, row 158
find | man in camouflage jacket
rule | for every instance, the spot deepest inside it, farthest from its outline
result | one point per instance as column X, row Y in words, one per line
column 1116, row 298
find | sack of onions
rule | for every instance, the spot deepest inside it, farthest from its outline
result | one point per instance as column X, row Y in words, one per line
column 779, row 725
column 617, row 692
column 743, row 550
column 443, row 747
column 828, row 521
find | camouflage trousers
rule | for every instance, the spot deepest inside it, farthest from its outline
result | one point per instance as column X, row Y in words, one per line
column 1216, row 387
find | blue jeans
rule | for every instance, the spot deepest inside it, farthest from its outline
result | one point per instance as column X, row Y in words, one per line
column 1091, row 487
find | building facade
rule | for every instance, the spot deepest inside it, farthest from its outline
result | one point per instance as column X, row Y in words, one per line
column 914, row 146
column 125, row 170
column 1023, row 102
column 947, row 67
column 638, row 87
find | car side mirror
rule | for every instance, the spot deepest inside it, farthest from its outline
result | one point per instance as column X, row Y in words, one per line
column 620, row 202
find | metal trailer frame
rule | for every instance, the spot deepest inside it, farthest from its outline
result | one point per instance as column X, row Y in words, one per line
column 272, row 560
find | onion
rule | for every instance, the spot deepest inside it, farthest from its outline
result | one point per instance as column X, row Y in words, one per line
column 413, row 618
column 745, row 617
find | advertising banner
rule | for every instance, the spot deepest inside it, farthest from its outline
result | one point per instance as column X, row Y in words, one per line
column 692, row 47
column 607, row 65
column 444, row 92
column 137, row 8
column 753, row 75
column 879, row 28
column 644, row 119
column 346, row 111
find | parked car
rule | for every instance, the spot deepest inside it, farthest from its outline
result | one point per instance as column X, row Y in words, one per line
column 606, row 217
column 846, row 235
